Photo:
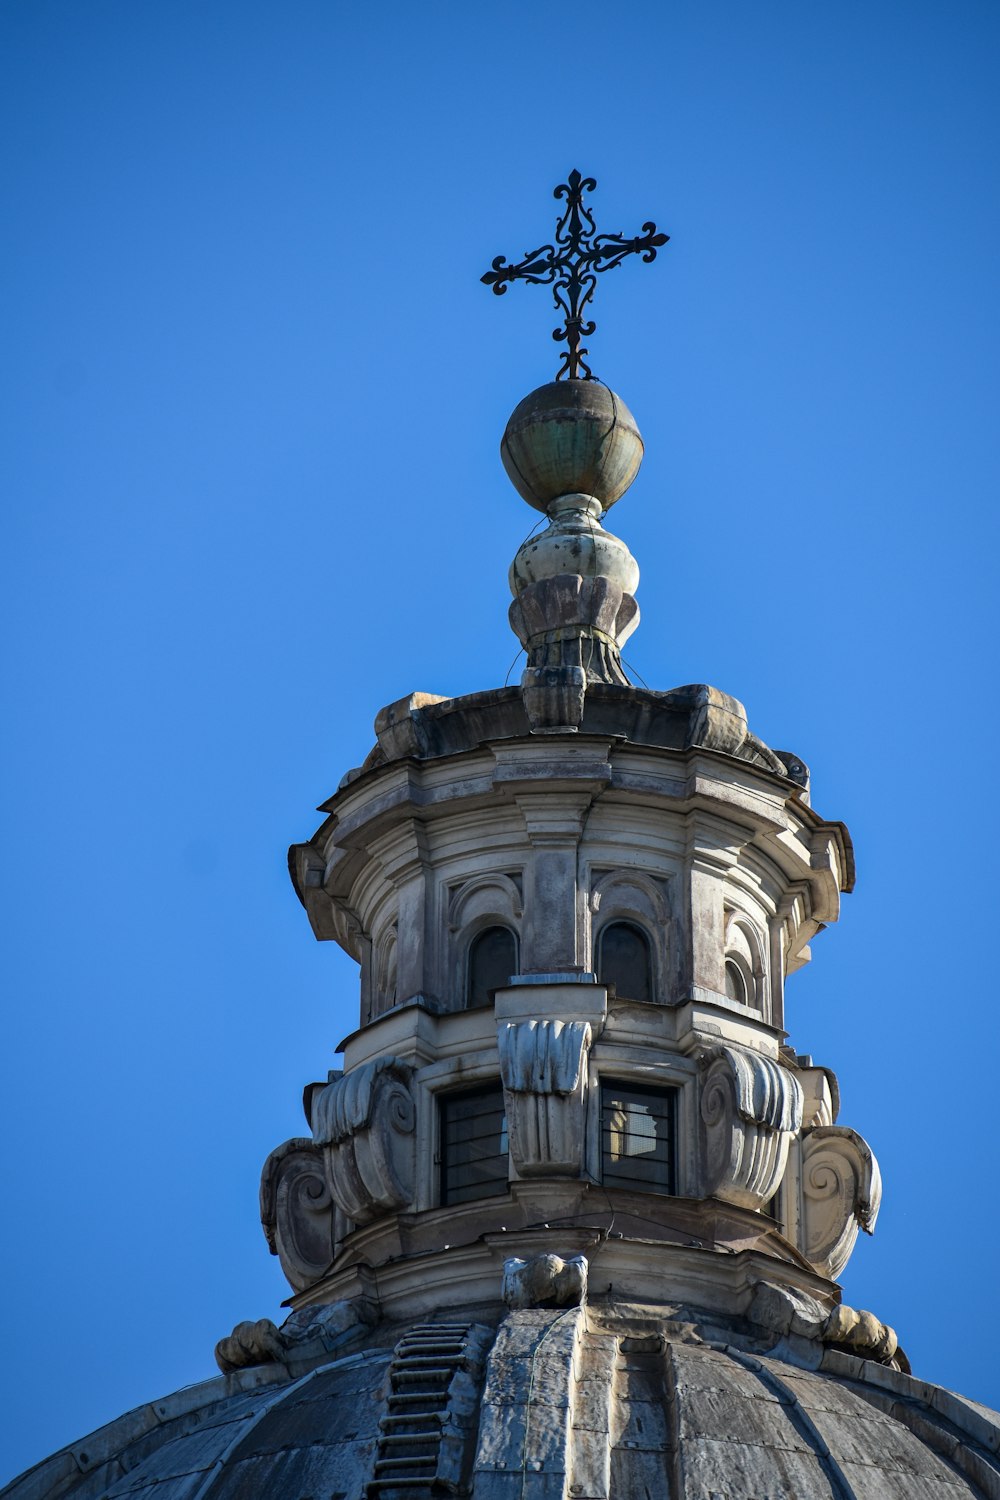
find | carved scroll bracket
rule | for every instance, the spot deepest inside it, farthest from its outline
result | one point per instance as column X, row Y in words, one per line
column 841, row 1193
column 297, row 1212
column 543, row 1067
column 364, row 1125
column 750, row 1108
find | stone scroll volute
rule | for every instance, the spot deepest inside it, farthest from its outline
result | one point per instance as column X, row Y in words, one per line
column 841, row 1193
column 750, row 1109
column 543, row 1065
column 297, row 1212
column 364, row 1125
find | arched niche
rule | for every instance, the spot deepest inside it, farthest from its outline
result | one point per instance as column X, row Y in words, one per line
column 484, row 932
column 745, row 968
column 385, row 971
column 630, row 920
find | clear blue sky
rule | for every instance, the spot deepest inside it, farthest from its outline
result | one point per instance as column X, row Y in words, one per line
column 252, row 395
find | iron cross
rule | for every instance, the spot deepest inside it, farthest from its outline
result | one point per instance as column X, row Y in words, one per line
column 570, row 267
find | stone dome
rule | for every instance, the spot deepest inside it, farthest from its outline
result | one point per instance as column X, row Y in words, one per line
column 612, row 1402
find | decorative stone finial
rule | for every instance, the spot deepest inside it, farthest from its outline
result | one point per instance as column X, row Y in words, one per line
column 571, row 437
column 571, row 449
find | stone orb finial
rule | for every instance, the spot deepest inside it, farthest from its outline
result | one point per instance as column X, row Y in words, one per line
column 571, row 437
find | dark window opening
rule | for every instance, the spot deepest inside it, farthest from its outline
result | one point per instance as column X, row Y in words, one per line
column 473, row 1145
column 737, row 987
column 637, row 1137
column 624, row 960
column 492, row 960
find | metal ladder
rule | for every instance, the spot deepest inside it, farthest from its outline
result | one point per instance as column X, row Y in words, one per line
column 424, row 1364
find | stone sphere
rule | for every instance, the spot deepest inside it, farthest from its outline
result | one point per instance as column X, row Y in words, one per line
column 571, row 436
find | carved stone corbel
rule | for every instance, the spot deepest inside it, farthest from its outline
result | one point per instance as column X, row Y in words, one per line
column 750, row 1108
column 364, row 1125
column 841, row 1193
column 297, row 1212
column 308, row 1333
column 545, row 1281
column 543, row 1068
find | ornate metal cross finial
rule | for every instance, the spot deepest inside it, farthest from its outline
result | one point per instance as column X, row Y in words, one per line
column 570, row 267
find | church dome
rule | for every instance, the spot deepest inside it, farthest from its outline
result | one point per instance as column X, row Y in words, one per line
column 616, row 1403
column 567, row 1223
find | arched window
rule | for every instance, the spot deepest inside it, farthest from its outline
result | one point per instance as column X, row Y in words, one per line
column 624, row 960
column 492, row 960
column 387, row 968
column 737, row 985
column 744, row 969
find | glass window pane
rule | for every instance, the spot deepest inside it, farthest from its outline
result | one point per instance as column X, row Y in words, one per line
column 492, row 960
column 473, row 1145
column 624, row 961
column 637, row 1137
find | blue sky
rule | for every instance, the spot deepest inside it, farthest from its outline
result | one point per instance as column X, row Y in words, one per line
column 252, row 396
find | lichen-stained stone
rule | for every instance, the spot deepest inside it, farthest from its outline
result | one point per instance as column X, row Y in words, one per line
column 545, row 1281
column 593, row 1387
column 364, row 1125
column 526, row 1421
column 591, row 1465
column 543, row 1068
column 609, row 1402
column 571, row 435
column 639, row 1471
column 783, row 1310
column 720, row 1469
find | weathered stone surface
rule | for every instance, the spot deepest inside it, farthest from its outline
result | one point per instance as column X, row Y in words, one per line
column 397, row 725
column 311, row 1331
column 574, row 587
column 572, row 573
column 249, row 1344
column 543, row 1056
column 861, row 1331
column 565, row 1410
column 677, row 719
column 571, row 435
column 653, row 1116
column 364, row 1123
column 297, row 1211
column 554, row 696
column 750, row 1108
column 543, row 1068
column 545, row 1281
column 841, row 1193
column 784, row 1310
